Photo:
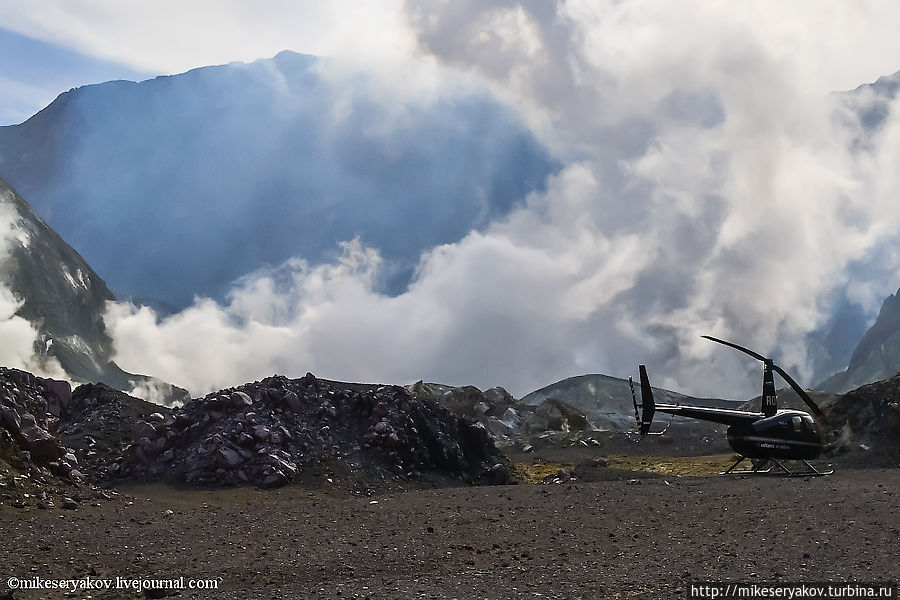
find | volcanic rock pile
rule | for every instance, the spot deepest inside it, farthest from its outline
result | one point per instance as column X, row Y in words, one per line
column 30, row 408
column 97, row 426
column 505, row 418
column 866, row 422
column 266, row 433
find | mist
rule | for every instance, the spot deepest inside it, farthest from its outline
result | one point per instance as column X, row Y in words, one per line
column 710, row 184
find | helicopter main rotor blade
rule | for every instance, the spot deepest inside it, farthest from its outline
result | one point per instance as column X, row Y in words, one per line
column 755, row 355
column 800, row 391
column 794, row 385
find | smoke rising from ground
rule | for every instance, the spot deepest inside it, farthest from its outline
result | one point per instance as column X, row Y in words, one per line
column 711, row 186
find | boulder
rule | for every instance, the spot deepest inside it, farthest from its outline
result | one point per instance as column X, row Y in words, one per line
column 240, row 400
column 142, row 429
column 10, row 419
column 556, row 415
column 226, row 457
column 59, row 394
column 293, row 401
column 40, row 443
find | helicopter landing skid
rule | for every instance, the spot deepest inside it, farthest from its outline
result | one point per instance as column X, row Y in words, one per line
column 784, row 471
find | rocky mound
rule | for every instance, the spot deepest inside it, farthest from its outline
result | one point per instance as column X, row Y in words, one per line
column 30, row 408
column 506, row 419
column 866, row 423
column 266, row 433
column 97, row 426
column 36, row 470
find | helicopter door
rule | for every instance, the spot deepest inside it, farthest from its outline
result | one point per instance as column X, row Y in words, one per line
column 810, row 427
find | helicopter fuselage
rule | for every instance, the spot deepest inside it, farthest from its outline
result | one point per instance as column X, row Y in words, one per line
column 788, row 434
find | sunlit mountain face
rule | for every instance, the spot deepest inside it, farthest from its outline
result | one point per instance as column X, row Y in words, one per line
column 176, row 186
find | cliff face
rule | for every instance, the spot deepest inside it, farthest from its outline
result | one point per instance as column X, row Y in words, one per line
column 63, row 298
column 877, row 356
column 60, row 294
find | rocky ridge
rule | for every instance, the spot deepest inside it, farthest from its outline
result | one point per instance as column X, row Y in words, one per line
column 267, row 433
column 507, row 420
column 607, row 402
column 64, row 299
column 877, row 356
column 36, row 468
column 30, row 408
column 866, row 424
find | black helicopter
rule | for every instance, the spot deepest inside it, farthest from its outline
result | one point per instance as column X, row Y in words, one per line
column 770, row 436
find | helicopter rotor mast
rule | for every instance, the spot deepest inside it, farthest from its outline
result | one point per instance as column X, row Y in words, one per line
column 769, row 364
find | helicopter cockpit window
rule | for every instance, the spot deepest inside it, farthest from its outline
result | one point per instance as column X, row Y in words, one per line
column 809, row 424
column 797, row 421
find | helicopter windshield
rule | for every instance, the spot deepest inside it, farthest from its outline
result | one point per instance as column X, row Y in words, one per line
column 810, row 425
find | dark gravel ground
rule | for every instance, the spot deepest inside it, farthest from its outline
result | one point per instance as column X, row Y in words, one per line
column 638, row 538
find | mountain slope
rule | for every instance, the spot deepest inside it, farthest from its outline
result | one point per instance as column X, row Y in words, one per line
column 61, row 295
column 59, row 292
column 607, row 401
column 178, row 185
column 877, row 356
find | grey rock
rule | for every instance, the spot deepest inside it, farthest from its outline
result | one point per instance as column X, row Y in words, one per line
column 59, row 394
column 226, row 457
column 261, row 432
column 293, row 401
column 142, row 429
column 273, row 480
column 40, row 443
column 240, row 399
column 10, row 419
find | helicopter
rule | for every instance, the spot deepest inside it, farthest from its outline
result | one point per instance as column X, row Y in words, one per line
column 766, row 438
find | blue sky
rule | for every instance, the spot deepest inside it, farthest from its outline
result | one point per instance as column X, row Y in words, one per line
column 49, row 46
column 34, row 72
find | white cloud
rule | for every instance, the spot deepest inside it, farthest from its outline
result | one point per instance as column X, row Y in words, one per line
column 170, row 36
column 710, row 190
column 709, row 125
column 479, row 311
